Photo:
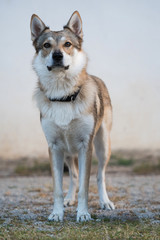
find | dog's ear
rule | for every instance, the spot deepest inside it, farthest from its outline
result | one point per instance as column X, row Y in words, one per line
column 75, row 24
column 37, row 26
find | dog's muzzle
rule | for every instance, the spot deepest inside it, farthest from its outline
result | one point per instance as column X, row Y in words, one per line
column 57, row 61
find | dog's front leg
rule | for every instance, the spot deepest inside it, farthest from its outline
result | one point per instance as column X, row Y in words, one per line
column 84, row 158
column 57, row 159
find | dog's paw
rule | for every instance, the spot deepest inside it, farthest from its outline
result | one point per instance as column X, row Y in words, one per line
column 107, row 205
column 83, row 217
column 68, row 202
column 57, row 217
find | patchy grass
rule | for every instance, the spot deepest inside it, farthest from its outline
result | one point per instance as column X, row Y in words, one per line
column 120, row 161
column 37, row 168
column 41, row 167
column 94, row 161
column 75, row 231
column 116, row 161
column 147, row 168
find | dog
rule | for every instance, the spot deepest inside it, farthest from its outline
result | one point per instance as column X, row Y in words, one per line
column 75, row 112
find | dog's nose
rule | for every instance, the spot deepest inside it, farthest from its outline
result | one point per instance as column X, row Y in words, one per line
column 57, row 56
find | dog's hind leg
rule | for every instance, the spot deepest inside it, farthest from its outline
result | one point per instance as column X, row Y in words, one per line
column 103, row 152
column 72, row 163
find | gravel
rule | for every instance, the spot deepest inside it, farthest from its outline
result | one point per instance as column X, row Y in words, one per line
column 30, row 198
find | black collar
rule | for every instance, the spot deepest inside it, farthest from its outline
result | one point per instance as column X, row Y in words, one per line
column 70, row 98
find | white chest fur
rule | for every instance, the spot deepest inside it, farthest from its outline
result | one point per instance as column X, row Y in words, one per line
column 69, row 138
column 61, row 113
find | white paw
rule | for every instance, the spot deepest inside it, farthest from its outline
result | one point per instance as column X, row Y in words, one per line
column 57, row 217
column 68, row 202
column 83, row 217
column 107, row 205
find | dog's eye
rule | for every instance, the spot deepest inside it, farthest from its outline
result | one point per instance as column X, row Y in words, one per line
column 67, row 44
column 47, row 45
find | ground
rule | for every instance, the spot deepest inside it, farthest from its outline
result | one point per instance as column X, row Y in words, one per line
column 26, row 202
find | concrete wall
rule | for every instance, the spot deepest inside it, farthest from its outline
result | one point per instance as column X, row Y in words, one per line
column 122, row 39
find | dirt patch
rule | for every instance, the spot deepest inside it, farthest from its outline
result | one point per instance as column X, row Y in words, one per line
column 135, row 197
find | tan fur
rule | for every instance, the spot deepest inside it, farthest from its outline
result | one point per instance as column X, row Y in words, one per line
column 72, row 127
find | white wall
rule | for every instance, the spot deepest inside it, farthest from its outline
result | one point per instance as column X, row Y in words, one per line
column 122, row 39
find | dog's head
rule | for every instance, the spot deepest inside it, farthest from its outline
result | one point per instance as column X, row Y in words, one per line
column 58, row 50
